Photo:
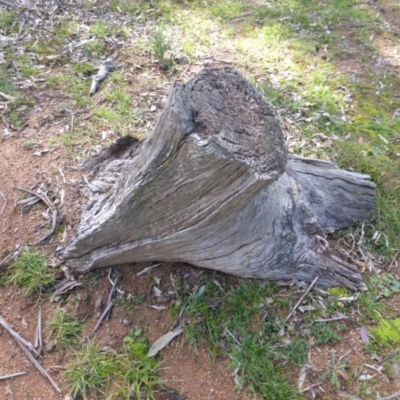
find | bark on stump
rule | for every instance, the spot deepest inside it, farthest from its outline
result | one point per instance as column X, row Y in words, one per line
column 213, row 186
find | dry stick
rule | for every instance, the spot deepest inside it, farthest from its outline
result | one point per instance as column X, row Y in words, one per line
column 311, row 387
column 233, row 337
column 39, row 367
column 3, row 378
column 27, row 203
column 17, row 337
column 238, row 17
column 6, row 96
column 4, row 260
column 332, row 319
column 147, row 269
column 41, row 196
column 388, row 357
column 112, row 291
column 51, row 230
column 108, row 308
column 38, row 337
column 121, row 292
column 104, row 70
column 46, row 200
column 392, row 396
column 301, row 298
column 5, row 203
column 394, row 259
column 101, row 319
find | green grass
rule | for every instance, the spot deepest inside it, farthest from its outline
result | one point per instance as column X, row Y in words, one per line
column 125, row 374
column 324, row 334
column 31, row 273
column 29, row 144
column 6, row 84
column 161, row 48
column 7, row 19
column 228, row 8
column 229, row 323
column 65, row 330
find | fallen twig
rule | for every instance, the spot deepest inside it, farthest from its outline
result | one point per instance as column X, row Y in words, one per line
column 239, row 17
column 3, row 378
column 332, row 319
column 65, row 286
column 393, row 261
column 392, row 396
column 147, row 269
column 5, row 203
column 311, row 387
column 104, row 70
column 43, row 196
column 17, row 337
column 101, row 319
column 26, row 204
column 301, row 298
column 7, row 96
column 108, row 308
column 38, row 344
column 121, row 292
column 388, row 357
column 39, row 367
column 51, row 230
column 5, row 259
column 232, row 336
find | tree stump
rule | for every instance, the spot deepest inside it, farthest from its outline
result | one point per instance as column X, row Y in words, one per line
column 213, row 186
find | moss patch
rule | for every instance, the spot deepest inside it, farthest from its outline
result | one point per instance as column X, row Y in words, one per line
column 387, row 332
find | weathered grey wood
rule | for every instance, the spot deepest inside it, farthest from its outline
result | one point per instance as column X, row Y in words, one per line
column 213, row 186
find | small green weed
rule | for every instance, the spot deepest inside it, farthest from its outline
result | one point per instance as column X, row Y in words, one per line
column 7, row 19
column 101, row 30
column 131, row 303
column 386, row 284
column 108, row 114
column 96, row 47
column 228, row 8
column 6, row 85
column 369, row 305
column 126, row 374
column 30, row 271
column 29, row 144
column 161, row 47
column 324, row 334
column 130, row 7
column 336, row 370
column 296, row 351
column 66, row 139
column 65, row 329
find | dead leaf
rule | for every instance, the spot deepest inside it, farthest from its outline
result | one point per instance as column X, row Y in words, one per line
column 164, row 341
column 364, row 334
column 343, row 375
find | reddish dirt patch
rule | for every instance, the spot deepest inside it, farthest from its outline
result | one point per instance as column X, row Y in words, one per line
column 188, row 373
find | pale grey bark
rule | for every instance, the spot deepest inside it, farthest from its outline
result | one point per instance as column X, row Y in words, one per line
column 213, row 186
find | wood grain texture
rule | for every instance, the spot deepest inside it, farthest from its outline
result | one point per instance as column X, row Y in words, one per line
column 213, row 186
